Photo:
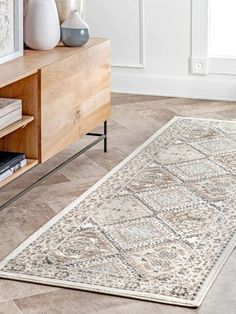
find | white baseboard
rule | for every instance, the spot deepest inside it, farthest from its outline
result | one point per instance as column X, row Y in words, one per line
column 190, row 87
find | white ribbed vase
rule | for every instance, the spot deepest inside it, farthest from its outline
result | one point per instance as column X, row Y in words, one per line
column 41, row 24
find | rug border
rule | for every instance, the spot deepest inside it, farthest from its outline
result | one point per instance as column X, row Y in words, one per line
column 113, row 291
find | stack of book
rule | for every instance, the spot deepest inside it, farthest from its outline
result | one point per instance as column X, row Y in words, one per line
column 10, row 111
column 10, row 163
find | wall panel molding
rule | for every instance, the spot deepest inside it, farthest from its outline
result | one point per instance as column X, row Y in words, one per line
column 126, row 29
column 141, row 63
column 200, row 37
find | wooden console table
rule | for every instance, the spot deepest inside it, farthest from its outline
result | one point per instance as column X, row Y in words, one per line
column 65, row 93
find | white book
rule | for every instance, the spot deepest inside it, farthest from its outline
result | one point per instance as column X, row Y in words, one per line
column 10, row 118
column 8, row 105
column 10, row 171
column 6, row 174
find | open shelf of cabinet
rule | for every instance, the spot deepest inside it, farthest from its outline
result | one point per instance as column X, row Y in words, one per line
column 30, row 164
column 58, row 104
column 23, row 135
column 17, row 125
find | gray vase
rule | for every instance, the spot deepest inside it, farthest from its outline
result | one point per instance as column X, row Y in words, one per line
column 74, row 31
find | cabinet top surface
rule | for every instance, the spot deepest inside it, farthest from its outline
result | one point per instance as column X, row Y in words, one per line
column 33, row 60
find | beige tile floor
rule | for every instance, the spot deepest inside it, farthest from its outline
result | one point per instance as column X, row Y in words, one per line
column 134, row 119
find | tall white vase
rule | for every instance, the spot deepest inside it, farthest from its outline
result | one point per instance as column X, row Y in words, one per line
column 66, row 6
column 41, row 24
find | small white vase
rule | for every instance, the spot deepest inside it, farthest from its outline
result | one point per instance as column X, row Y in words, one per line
column 41, row 24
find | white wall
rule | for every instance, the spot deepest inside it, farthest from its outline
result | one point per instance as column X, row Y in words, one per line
column 151, row 47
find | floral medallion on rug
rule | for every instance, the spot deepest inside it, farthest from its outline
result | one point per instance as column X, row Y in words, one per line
column 158, row 227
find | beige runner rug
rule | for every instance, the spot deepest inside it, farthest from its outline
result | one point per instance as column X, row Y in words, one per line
column 158, row 227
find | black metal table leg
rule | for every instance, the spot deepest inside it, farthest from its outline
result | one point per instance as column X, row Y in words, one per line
column 105, row 139
column 104, row 135
column 101, row 137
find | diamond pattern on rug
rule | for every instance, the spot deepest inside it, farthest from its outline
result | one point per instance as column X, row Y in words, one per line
column 107, row 268
column 158, row 227
column 169, row 198
column 116, row 210
column 196, row 170
column 215, row 189
column 227, row 127
column 228, row 162
column 221, row 145
column 137, row 232
column 192, row 221
column 177, row 153
column 110, row 265
column 152, row 177
column 158, row 260
column 198, row 130
column 83, row 245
